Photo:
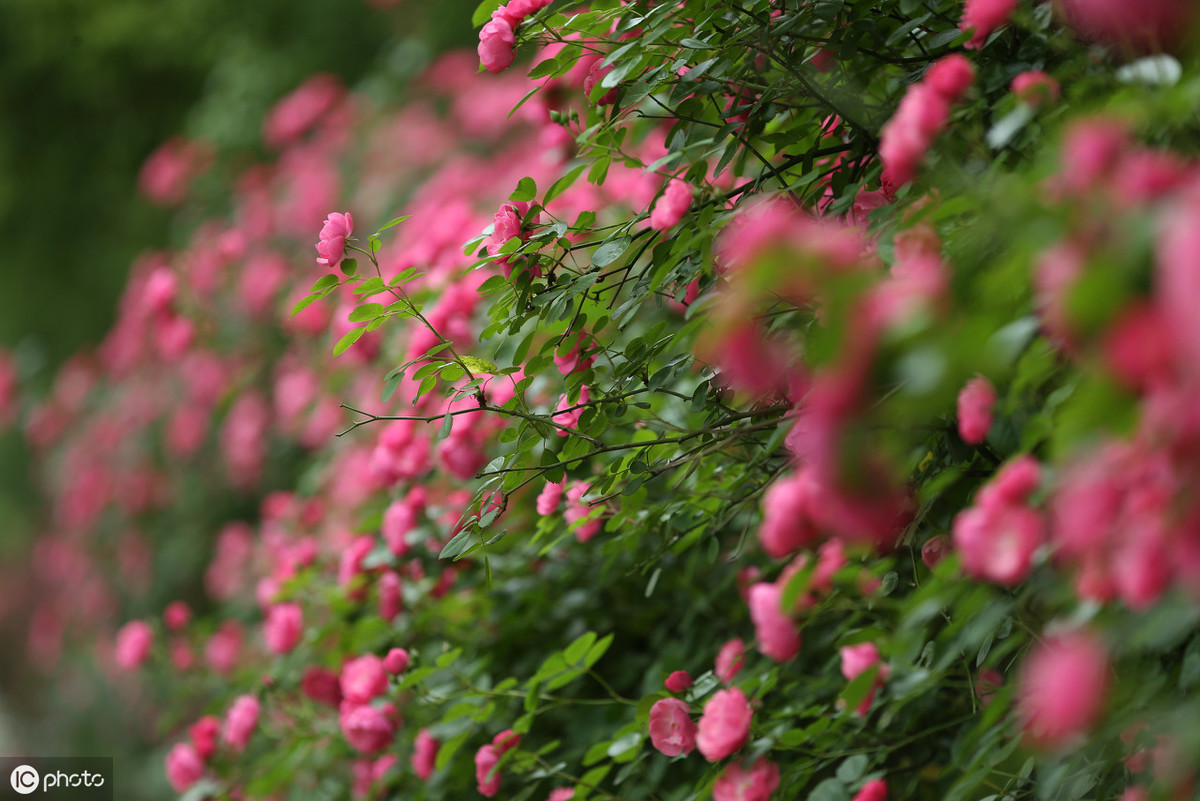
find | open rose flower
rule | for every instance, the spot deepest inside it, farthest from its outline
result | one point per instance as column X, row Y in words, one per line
column 331, row 246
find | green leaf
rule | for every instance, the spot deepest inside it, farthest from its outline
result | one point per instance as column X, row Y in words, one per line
column 478, row 366
column 348, row 339
column 852, row 769
column 483, row 12
column 398, row 220
column 325, row 282
column 457, row 544
column 349, row 266
column 609, row 252
column 304, row 303
column 830, row 790
column 526, row 191
column 563, row 184
column 365, row 311
column 575, row 652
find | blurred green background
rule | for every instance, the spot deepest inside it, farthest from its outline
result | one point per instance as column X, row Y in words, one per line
column 88, row 89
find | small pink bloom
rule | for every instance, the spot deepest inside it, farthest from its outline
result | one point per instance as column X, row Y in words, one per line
column 725, row 724
column 1035, row 88
column 177, row 615
column 184, row 767
column 496, row 41
column 579, row 509
column 856, row 660
column 365, row 727
column 678, row 681
column 331, row 245
column 363, row 678
column 670, row 208
column 998, row 544
column 505, row 741
column 487, row 778
column 1013, row 484
column 787, row 526
column 738, row 784
column 204, row 733
column 777, row 635
column 874, row 790
column 549, row 498
column 561, row 794
column 240, row 721
column 322, row 685
column 730, row 659
column 391, row 597
column 975, row 404
column 282, row 630
column 396, row 661
column 934, row 550
column 950, row 76
column 133, row 644
column 1062, row 688
column 672, row 730
column 984, row 16
column 398, row 519
column 424, row 756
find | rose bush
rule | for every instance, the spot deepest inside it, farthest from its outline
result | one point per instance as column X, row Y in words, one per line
column 813, row 353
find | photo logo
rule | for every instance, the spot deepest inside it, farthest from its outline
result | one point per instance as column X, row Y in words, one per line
column 24, row 779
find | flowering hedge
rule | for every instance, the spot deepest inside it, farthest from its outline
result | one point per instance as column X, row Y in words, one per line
column 751, row 400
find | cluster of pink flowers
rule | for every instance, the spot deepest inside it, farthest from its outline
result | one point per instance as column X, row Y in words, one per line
column 923, row 113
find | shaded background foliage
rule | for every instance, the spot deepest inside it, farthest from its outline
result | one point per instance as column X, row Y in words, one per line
column 88, row 90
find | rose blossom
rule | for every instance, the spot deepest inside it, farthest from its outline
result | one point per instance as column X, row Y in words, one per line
column 363, row 678
column 975, row 403
column 184, row 767
column 874, row 790
column 424, row 756
column 671, row 728
column 1062, row 688
column 204, row 733
column 670, row 208
column 496, row 40
column 331, row 246
column 396, row 661
column 739, row 784
column 365, row 727
column 133, row 644
column 283, row 628
column 730, row 659
column 725, row 724
column 240, row 721
column 486, row 760
column 678, row 681
column 776, row 633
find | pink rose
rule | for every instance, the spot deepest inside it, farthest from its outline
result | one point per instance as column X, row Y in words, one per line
column 283, row 628
column 670, row 208
column 998, row 543
column 1035, row 87
column 678, row 681
column 856, row 660
column 975, row 403
column 365, row 727
column 984, row 16
column 177, row 615
column 561, row 794
column 331, row 244
column 776, row 633
column 496, row 40
column 1062, row 688
column 240, row 721
column 396, row 661
column 934, row 550
column 424, row 756
column 951, row 75
column 874, row 790
column 133, row 644
column 549, row 498
column 505, row 741
column 391, row 598
column 671, row 728
column 730, row 659
column 363, row 678
column 487, row 778
column 204, row 733
column 322, row 685
column 786, row 525
column 725, row 724
column 184, row 767
column 738, row 784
